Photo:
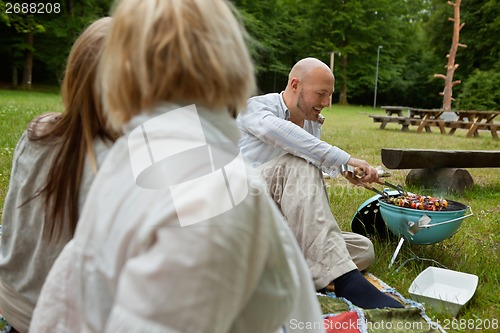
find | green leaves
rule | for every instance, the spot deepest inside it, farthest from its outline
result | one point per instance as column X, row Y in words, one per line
column 415, row 35
column 480, row 91
column 285, row 31
column 52, row 35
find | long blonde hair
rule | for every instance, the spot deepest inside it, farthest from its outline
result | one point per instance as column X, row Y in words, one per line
column 186, row 51
column 82, row 121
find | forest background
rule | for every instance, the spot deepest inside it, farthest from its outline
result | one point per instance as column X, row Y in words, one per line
column 415, row 37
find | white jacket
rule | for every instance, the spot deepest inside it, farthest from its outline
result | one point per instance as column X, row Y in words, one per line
column 144, row 260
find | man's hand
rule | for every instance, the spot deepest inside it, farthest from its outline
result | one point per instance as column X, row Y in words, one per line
column 363, row 172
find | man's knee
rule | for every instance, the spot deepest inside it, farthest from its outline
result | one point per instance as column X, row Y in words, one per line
column 366, row 260
column 361, row 250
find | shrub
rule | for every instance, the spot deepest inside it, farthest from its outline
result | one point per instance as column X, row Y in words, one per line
column 480, row 91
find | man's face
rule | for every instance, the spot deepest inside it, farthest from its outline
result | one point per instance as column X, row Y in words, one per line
column 313, row 96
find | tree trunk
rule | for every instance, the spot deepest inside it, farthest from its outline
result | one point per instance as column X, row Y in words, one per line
column 14, row 76
column 343, row 86
column 28, row 62
column 69, row 5
column 451, row 66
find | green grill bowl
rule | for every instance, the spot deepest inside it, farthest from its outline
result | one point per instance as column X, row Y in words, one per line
column 400, row 219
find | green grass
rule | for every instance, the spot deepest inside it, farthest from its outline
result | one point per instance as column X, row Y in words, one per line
column 475, row 248
column 17, row 108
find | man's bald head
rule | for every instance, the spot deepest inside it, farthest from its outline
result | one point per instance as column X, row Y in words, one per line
column 309, row 90
column 307, row 68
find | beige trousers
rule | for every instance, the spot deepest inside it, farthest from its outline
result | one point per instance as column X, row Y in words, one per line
column 298, row 189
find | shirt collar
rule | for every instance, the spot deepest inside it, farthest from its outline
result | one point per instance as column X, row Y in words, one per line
column 321, row 118
column 284, row 107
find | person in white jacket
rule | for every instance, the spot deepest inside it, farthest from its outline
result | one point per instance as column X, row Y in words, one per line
column 54, row 165
column 177, row 233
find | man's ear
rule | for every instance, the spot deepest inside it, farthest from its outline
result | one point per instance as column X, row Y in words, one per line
column 294, row 83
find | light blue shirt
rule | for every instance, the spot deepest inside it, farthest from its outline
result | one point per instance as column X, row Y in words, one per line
column 267, row 133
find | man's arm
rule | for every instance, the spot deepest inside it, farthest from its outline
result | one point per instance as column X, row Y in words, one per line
column 262, row 123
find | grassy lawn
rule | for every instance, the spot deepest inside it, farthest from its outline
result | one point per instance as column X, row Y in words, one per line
column 17, row 108
column 475, row 248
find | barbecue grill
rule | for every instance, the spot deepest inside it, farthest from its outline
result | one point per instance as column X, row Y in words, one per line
column 420, row 226
column 376, row 216
column 368, row 221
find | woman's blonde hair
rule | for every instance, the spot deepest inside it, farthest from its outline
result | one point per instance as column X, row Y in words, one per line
column 184, row 51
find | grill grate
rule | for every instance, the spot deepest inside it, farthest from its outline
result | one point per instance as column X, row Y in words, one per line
column 452, row 206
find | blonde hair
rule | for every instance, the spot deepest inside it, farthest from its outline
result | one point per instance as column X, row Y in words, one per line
column 184, row 51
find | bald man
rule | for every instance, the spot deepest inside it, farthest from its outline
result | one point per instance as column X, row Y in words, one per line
column 281, row 138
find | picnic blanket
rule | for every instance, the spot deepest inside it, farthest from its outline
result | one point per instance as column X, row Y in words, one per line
column 340, row 315
column 4, row 325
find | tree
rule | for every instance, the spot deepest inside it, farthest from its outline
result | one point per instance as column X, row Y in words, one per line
column 276, row 37
column 452, row 66
column 414, row 35
column 481, row 35
column 480, row 91
column 355, row 28
column 40, row 43
column 25, row 25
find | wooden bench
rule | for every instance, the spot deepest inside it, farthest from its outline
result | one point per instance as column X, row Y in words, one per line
column 492, row 127
column 426, row 124
column 440, row 169
column 477, row 120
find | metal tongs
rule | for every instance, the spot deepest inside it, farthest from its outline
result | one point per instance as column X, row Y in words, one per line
column 357, row 174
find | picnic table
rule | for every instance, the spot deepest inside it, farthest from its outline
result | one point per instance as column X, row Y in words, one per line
column 476, row 120
column 390, row 110
column 471, row 120
column 430, row 117
column 423, row 118
column 405, row 122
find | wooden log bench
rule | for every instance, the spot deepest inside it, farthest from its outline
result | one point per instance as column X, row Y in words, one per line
column 440, row 169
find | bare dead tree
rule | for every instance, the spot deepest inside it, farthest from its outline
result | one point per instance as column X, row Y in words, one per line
column 447, row 93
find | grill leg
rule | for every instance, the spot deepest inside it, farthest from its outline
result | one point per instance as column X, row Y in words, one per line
column 398, row 248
